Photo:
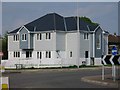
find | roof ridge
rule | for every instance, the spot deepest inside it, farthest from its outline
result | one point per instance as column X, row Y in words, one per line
column 55, row 21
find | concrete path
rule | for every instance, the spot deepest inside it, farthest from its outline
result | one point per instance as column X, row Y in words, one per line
column 108, row 81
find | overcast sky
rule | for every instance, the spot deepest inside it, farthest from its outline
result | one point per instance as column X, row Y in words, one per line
column 60, row 0
column 17, row 14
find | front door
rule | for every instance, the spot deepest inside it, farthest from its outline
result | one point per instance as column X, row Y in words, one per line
column 28, row 54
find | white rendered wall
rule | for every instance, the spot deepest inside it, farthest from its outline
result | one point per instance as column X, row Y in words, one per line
column 71, row 44
column 45, row 44
column 12, row 45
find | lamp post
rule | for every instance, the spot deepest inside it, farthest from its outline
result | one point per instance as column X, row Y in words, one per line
column 78, row 38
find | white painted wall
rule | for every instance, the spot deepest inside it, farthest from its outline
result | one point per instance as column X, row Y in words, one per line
column 12, row 45
column 71, row 44
column 84, row 45
column 98, row 61
column 45, row 44
column 60, row 41
column 11, row 55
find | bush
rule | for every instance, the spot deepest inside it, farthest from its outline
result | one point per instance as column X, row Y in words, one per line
column 74, row 66
column 31, row 68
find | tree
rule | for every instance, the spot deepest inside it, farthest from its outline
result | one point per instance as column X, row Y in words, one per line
column 4, row 46
column 88, row 20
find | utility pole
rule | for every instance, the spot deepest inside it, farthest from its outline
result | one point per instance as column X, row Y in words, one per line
column 78, row 38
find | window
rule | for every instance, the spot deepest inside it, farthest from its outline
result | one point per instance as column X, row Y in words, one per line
column 28, row 54
column 48, row 54
column 24, row 37
column 39, row 36
column 39, row 55
column 98, row 42
column 16, row 54
column 86, row 36
column 86, row 54
column 48, row 35
column 15, row 37
column 71, row 54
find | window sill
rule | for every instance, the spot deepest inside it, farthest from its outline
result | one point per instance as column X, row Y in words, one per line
column 24, row 40
column 47, row 39
column 98, row 48
column 86, row 39
column 16, row 41
column 39, row 40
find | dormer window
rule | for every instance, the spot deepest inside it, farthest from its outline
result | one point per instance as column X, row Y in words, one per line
column 15, row 37
column 24, row 37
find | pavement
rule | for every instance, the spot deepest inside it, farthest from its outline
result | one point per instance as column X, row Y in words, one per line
column 108, row 81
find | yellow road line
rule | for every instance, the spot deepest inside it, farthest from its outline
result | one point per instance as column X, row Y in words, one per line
column 5, row 86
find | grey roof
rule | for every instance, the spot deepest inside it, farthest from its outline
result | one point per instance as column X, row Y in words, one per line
column 15, row 31
column 48, row 22
column 57, row 22
column 71, row 23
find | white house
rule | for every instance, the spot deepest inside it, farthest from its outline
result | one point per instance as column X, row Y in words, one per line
column 54, row 40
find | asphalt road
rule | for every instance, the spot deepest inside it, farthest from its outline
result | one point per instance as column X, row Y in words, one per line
column 48, row 78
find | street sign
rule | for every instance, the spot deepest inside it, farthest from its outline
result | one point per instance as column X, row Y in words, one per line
column 1, row 54
column 114, row 50
column 111, row 60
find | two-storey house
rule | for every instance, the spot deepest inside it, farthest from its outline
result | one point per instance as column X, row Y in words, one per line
column 56, row 40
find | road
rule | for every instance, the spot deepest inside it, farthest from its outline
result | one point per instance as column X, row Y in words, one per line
column 52, row 78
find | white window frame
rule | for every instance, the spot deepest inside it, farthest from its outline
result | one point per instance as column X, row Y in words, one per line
column 23, row 38
column 99, row 40
column 87, row 54
column 16, row 54
column 86, row 36
column 48, row 54
column 39, row 55
column 39, row 36
column 30, row 54
column 48, row 36
column 16, row 37
column 71, row 54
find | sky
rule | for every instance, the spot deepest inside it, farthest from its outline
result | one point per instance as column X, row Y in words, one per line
column 60, row 0
column 16, row 14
